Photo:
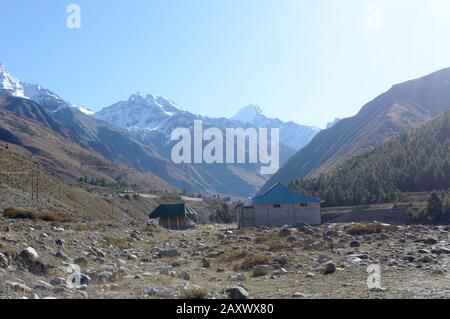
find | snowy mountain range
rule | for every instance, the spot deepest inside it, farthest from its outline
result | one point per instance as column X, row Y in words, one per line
column 141, row 114
column 136, row 133
column 34, row 92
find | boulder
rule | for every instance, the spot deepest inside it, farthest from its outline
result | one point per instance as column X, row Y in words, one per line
column 169, row 253
column 3, row 261
column 29, row 254
column 261, row 270
column 291, row 239
column 430, row 241
column 285, row 232
column 354, row 244
column 237, row 292
column 60, row 242
column 206, row 263
column 329, row 268
column 185, row 275
column 441, row 251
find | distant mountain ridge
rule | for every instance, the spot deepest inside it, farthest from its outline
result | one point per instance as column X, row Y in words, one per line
column 397, row 111
column 156, row 113
column 134, row 133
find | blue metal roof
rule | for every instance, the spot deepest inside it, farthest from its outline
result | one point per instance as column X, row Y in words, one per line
column 280, row 194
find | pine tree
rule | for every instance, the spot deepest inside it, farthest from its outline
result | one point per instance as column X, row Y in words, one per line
column 435, row 207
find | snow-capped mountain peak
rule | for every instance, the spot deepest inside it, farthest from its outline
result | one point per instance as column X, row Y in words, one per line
column 45, row 97
column 9, row 84
column 249, row 114
column 137, row 97
column 35, row 92
column 140, row 112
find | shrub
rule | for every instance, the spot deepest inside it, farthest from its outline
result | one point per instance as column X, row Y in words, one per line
column 435, row 207
column 194, row 293
column 234, row 255
column 14, row 213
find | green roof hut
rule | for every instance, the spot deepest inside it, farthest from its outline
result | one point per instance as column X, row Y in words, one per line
column 175, row 216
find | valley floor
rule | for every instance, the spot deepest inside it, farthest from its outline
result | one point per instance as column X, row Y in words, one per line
column 136, row 260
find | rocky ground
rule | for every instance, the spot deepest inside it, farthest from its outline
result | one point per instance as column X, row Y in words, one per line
column 139, row 260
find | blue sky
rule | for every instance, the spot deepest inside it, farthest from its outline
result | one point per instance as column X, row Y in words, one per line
column 307, row 61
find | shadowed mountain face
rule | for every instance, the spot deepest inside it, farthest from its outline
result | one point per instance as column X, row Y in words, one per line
column 60, row 148
column 397, row 111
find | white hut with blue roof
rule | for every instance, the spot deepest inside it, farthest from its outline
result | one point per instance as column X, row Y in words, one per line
column 280, row 206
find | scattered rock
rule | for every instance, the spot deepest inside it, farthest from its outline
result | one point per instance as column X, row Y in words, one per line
column 169, row 253
column 43, row 285
column 354, row 244
column 441, row 251
column 206, row 263
column 237, row 292
column 237, row 277
column 81, row 261
column 17, row 286
column 261, row 270
column 161, row 292
column 60, row 242
column 3, row 261
column 167, row 271
column 185, row 275
column 430, row 241
column 285, row 232
column 29, row 254
column 330, row 268
column 427, row 259
column 280, row 272
column 291, row 239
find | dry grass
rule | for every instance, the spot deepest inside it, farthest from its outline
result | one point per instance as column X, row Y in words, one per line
column 87, row 227
column 311, row 244
column 205, row 228
column 254, row 260
column 366, row 229
column 121, row 243
column 277, row 245
column 14, row 213
column 194, row 293
column 10, row 252
column 234, row 256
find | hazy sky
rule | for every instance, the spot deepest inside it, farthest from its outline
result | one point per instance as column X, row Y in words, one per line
column 307, row 61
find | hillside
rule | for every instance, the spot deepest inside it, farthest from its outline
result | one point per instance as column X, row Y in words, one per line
column 414, row 162
column 397, row 111
column 54, row 194
column 59, row 148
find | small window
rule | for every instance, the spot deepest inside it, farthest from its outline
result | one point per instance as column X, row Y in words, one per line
column 276, row 206
column 304, row 204
column 248, row 207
